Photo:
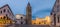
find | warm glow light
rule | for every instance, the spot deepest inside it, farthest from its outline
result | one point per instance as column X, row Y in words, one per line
column 4, row 21
column 42, row 21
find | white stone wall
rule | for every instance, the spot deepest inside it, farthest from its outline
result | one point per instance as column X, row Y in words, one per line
column 20, row 19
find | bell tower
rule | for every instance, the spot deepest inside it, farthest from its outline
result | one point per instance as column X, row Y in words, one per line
column 28, row 14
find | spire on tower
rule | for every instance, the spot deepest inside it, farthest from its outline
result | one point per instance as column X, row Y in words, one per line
column 28, row 2
column 28, row 13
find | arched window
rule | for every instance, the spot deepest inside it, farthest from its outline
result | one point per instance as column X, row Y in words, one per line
column 21, row 17
column 44, row 22
column 39, row 22
column 34, row 23
column 4, row 10
column 1, row 12
column 4, row 17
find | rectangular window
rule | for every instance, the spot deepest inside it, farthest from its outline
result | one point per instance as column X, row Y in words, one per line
column 58, row 8
column 58, row 19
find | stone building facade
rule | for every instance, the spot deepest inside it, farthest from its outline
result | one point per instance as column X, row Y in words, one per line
column 6, row 15
column 20, row 19
column 6, row 11
column 55, row 14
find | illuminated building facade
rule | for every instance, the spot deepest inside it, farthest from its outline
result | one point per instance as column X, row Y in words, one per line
column 55, row 14
column 42, row 21
column 6, row 15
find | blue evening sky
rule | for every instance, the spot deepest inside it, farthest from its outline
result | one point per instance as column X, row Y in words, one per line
column 40, row 8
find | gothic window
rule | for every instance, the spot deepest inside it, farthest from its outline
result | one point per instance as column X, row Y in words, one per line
column 4, row 10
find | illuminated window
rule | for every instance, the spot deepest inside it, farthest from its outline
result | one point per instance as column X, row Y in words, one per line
column 1, row 17
column 4, row 17
column 7, row 16
column 34, row 23
column 44, row 22
column 39, row 23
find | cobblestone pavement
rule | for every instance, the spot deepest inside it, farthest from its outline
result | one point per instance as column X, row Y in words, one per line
column 17, row 25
